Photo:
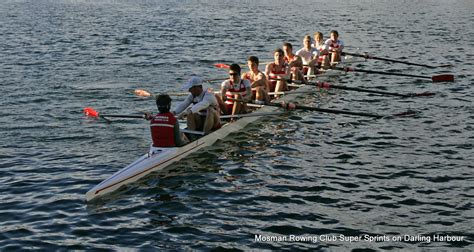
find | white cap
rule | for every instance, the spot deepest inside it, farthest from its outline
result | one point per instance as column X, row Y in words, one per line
column 193, row 81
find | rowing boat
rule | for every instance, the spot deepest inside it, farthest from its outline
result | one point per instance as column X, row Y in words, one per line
column 159, row 158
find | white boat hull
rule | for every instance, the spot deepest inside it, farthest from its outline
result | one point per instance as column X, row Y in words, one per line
column 159, row 158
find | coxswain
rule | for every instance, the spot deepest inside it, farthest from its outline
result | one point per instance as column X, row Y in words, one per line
column 335, row 47
column 164, row 126
column 200, row 107
column 258, row 81
column 235, row 91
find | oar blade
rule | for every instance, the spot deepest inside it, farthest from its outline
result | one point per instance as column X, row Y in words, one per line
column 142, row 93
column 221, row 65
column 90, row 112
column 443, row 78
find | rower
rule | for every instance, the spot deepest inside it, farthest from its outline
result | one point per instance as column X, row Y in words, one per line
column 294, row 62
column 309, row 55
column 335, row 47
column 164, row 126
column 323, row 60
column 258, row 81
column 278, row 72
column 236, row 91
column 201, row 107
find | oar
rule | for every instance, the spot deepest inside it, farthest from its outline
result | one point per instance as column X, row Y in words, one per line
column 367, row 56
column 327, row 86
column 90, row 112
column 436, row 78
column 144, row 93
column 251, row 115
column 221, row 65
column 93, row 113
column 334, row 111
column 291, row 106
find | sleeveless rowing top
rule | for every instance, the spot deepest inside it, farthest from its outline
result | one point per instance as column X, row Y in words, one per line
column 275, row 75
column 234, row 89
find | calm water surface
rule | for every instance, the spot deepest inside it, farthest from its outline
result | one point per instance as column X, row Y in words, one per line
column 321, row 176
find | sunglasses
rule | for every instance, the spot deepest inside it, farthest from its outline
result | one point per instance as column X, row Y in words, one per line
column 233, row 74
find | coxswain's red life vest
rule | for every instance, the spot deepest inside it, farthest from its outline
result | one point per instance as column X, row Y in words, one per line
column 162, row 130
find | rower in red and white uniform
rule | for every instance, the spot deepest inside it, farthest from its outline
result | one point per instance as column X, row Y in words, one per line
column 235, row 91
column 324, row 58
column 202, row 107
column 294, row 62
column 335, row 47
column 258, row 81
column 164, row 126
column 309, row 55
column 277, row 72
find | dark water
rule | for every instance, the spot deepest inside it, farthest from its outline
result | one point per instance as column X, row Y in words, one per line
column 325, row 176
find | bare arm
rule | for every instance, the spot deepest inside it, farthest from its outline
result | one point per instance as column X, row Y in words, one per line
column 177, row 135
column 223, row 91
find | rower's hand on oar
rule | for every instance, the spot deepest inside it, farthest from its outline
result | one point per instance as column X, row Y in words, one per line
column 184, row 114
column 142, row 93
column 148, row 116
column 288, row 105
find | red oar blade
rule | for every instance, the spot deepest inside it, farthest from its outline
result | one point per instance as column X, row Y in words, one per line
column 221, row 65
column 443, row 78
column 91, row 112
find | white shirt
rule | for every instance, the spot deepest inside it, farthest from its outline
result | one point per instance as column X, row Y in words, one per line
column 321, row 47
column 307, row 55
column 201, row 102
